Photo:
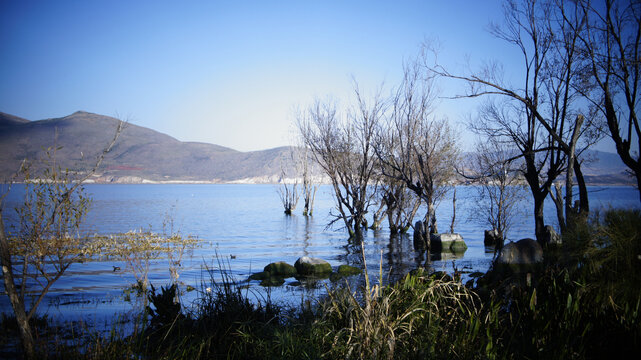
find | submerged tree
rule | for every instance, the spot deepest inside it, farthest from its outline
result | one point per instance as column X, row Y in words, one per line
column 48, row 239
column 306, row 169
column 611, row 44
column 400, row 205
column 498, row 187
column 288, row 193
column 541, row 116
column 342, row 145
column 414, row 147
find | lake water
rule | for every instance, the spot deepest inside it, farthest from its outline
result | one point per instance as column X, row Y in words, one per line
column 245, row 227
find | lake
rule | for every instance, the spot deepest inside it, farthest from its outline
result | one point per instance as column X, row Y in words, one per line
column 244, row 227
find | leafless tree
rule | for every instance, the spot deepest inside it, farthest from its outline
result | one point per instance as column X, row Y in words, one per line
column 498, row 186
column 541, row 116
column 414, row 147
column 288, row 191
column 310, row 186
column 397, row 203
column 48, row 239
column 342, row 144
column 611, row 43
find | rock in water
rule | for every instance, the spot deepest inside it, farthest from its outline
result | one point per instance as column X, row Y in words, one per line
column 522, row 252
column 272, row 281
column 420, row 236
column 281, row 268
column 259, row 275
column 448, row 242
column 492, row 238
column 551, row 237
column 312, row 266
column 346, row 270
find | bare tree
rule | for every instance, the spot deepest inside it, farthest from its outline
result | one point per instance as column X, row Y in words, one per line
column 343, row 147
column 541, row 116
column 498, row 186
column 304, row 163
column 288, row 192
column 611, row 43
column 397, row 203
column 48, row 240
column 415, row 148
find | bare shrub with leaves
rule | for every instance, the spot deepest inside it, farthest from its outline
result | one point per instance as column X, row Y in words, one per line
column 48, row 239
column 139, row 249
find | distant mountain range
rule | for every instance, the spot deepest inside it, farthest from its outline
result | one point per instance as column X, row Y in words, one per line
column 145, row 155
column 140, row 154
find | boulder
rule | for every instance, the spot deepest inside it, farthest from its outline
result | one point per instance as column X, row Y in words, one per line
column 346, row 270
column 551, row 237
column 272, row 281
column 259, row 275
column 492, row 238
column 522, row 252
column 448, row 242
column 281, row 268
column 420, row 236
column 307, row 266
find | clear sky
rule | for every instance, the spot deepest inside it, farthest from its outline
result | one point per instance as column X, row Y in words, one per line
column 225, row 72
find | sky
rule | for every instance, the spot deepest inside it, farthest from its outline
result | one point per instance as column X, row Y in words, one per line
column 231, row 73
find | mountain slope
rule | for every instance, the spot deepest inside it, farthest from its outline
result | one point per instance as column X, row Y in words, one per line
column 144, row 154
column 140, row 153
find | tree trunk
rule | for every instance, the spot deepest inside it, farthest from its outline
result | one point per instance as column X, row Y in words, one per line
column 378, row 218
column 17, row 303
column 581, row 214
column 539, row 223
column 358, row 231
column 431, row 219
column 557, row 196
column 453, row 212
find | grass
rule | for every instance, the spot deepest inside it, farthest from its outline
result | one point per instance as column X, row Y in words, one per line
column 584, row 302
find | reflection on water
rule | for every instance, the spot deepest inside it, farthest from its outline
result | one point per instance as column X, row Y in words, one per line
column 244, row 228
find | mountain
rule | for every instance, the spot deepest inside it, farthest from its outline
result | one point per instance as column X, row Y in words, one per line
column 142, row 154
column 139, row 154
column 598, row 167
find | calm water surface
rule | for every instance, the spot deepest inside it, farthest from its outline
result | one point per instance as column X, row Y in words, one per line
column 244, row 226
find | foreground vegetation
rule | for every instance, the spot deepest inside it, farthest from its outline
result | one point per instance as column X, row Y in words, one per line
column 583, row 302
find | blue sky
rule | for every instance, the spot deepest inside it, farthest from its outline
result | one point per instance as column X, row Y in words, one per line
column 226, row 72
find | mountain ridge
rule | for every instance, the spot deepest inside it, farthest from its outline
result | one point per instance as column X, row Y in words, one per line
column 146, row 155
column 140, row 154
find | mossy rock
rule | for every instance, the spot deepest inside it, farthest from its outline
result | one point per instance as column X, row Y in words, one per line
column 458, row 246
column 259, row 275
column 273, row 281
column 448, row 242
column 308, row 266
column 281, row 268
column 346, row 270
